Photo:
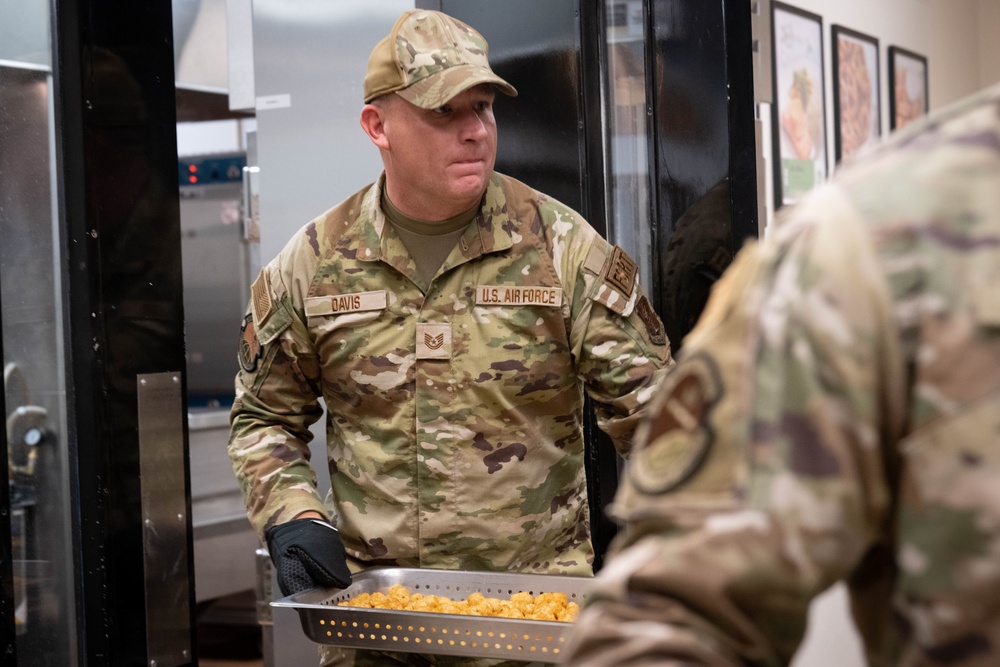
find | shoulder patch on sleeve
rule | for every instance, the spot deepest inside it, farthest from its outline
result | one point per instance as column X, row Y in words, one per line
column 654, row 327
column 617, row 278
column 620, row 272
column 250, row 349
column 680, row 435
column 262, row 303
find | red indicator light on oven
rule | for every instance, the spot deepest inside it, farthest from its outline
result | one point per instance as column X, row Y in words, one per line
column 192, row 179
column 192, row 168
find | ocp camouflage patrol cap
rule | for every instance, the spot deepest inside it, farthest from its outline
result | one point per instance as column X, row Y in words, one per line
column 429, row 58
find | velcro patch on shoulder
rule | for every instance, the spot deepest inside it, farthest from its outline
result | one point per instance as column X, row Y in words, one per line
column 616, row 280
column 680, row 435
column 250, row 349
column 279, row 319
column 620, row 272
column 260, row 297
column 654, row 327
column 597, row 257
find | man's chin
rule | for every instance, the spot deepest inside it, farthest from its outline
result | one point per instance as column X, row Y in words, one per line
column 469, row 187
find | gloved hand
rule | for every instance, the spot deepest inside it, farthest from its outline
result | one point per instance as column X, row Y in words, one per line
column 307, row 553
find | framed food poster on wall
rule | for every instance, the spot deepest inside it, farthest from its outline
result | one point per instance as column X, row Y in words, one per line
column 856, row 110
column 799, row 103
column 908, row 93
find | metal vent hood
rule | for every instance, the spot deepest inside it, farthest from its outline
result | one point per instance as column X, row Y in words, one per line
column 213, row 59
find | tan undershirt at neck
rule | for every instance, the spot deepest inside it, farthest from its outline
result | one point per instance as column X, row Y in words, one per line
column 429, row 243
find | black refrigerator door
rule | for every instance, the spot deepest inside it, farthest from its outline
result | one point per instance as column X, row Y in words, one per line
column 703, row 150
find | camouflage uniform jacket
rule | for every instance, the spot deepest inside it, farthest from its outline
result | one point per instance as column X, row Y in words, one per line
column 835, row 415
column 454, row 428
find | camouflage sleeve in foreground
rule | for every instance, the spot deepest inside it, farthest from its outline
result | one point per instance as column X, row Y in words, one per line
column 765, row 436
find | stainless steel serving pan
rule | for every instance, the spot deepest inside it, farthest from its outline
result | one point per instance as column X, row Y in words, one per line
column 432, row 633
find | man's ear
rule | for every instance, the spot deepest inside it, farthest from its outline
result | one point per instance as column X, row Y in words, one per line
column 373, row 123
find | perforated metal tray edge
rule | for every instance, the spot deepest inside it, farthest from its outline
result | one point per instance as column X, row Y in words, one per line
column 431, row 633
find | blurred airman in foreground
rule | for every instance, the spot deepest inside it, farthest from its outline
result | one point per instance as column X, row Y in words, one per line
column 835, row 416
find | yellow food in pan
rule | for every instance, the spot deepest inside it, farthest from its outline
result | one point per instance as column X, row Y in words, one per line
column 542, row 607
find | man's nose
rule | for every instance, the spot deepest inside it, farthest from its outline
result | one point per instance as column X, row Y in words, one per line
column 473, row 127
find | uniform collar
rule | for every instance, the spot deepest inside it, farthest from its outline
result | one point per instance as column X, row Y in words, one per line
column 491, row 231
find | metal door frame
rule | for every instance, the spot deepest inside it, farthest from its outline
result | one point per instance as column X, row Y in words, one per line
column 105, row 305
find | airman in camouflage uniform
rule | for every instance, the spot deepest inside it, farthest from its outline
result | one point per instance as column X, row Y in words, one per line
column 455, row 404
column 454, row 433
column 834, row 416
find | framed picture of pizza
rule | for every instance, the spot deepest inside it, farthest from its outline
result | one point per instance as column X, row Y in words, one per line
column 908, row 98
column 799, row 109
column 856, row 108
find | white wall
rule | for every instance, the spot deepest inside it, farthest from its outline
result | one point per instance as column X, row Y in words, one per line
column 954, row 65
column 989, row 46
column 965, row 47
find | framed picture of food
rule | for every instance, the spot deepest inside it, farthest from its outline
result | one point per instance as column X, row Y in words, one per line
column 856, row 111
column 799, row 117
column 908, row 93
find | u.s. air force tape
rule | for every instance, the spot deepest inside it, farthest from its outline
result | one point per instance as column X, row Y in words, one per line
column 680, row 434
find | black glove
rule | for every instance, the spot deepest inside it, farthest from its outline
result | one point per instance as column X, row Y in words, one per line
column 307, row 553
